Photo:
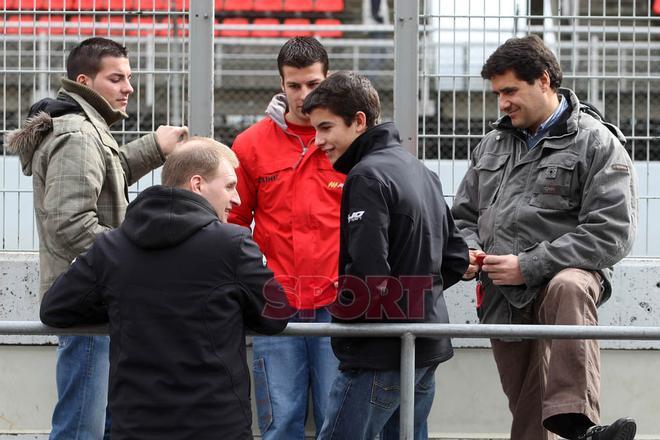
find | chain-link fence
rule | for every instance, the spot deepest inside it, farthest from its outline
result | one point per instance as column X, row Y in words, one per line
column 36, row 36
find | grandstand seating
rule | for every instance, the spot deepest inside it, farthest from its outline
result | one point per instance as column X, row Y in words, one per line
column 235, row 32
column 238, row 5
column 112, row 25
column 329, row 5
column 23, row 25
column 76, row 21
column 81, row 25
column 296, row 33
column 266, row 33
column 51, row 25
column 298, row 5
column 267, row 5
column 328, row 33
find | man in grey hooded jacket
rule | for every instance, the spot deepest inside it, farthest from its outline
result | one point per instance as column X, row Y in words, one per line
column 550, row 198
column 80, row 179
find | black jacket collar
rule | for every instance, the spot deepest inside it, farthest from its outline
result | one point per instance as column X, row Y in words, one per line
column 376, row 138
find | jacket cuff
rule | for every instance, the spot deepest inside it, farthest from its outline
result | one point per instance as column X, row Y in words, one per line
column 533, row 265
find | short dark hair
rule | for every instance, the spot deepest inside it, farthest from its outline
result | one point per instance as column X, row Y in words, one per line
column 86, row 57
column 527, row 57
column 344, row 94
column 302, row 52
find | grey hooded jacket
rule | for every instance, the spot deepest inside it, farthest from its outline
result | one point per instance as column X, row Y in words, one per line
column 570, row 202
column 80, row 175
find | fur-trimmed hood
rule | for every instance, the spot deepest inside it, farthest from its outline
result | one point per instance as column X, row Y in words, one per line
column 26, row 140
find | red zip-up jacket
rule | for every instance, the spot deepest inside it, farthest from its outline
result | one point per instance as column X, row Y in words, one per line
column 293, row 195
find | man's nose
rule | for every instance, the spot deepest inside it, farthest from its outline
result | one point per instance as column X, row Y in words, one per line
column 128, row 88
column 235, row 199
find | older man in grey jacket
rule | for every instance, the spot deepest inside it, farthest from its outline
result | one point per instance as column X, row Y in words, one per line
column 550, row 199
column 80, row 179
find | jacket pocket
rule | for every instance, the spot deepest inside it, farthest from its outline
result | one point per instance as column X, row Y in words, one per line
column 554, row 182
column 385, row 388
column 491, row 169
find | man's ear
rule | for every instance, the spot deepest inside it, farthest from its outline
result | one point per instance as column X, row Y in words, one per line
column 360, row 122
column 195, row 184
column 545, row 80
column 83, row 79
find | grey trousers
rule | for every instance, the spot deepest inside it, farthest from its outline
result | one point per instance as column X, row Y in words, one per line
column 545, row 378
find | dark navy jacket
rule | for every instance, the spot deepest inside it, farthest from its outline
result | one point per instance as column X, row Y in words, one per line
column 399, row 250
column 177, row 288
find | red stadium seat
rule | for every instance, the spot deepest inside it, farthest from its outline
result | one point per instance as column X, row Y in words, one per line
column 20, row 24
column 181, row 5
column 25, row 5
column 51, row 25
column 238, row 5
column 11, row 5
column 328, row 34
column 151, row 5
column 266, row 33
column 112, row 25
column 143, row 26
column 218, row 5
column 296, row 33
column 45, row 5
column 80, row 25
column 298, row 5
column 235, row 32
column 267, row 5
column 101, row 5
column 329, row 5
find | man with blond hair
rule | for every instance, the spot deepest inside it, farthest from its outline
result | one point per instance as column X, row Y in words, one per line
column 177, row 285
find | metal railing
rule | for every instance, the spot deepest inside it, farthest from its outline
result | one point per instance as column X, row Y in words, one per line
column 407, row 333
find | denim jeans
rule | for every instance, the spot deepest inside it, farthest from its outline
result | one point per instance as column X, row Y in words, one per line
column 284, row 369
column 82, row 388
column 364, row 403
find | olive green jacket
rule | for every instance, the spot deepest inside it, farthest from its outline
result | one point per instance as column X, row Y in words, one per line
column 80, row 175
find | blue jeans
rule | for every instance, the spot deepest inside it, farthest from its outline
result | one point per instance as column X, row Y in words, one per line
column 284, row 369
column 82, row 388
column 364, row 403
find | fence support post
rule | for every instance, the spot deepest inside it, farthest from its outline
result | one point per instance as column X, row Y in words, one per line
column 406, row 73
column 201, row 68
column 407, row 408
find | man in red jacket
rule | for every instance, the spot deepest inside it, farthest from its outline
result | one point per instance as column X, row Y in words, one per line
column 290, row 190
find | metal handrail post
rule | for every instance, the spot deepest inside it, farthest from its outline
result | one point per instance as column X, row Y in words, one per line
column 407, row 406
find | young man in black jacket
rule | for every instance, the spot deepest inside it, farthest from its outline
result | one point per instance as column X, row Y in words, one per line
column 399, row 249
column 177, row 286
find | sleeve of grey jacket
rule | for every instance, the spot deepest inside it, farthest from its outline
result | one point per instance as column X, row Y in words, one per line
column 607, row 221
column 367, row 228
column 455, row 257
column 265, row 307
column 74, row 178
column 465, row 207
column 75, row 298
column 140, row 156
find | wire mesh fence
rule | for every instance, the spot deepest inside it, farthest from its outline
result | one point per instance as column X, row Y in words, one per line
column 608, row 51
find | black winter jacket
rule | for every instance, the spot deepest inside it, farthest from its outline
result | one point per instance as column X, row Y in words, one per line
column 399, row 249
column 177, row 288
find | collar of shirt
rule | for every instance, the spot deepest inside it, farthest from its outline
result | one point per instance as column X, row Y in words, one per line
column 533, row 139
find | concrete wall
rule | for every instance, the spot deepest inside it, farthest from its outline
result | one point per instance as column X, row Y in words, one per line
column 469, row 402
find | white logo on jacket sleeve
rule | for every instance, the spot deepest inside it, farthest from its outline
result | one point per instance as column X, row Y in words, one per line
column 355, row 216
